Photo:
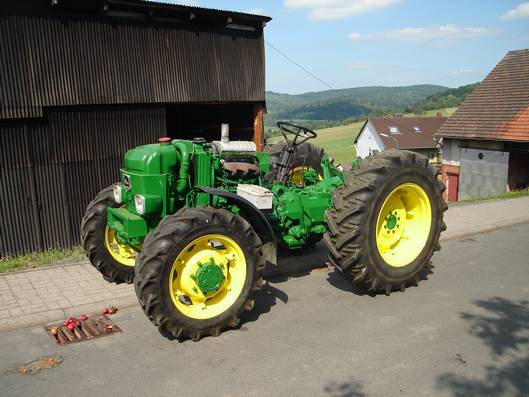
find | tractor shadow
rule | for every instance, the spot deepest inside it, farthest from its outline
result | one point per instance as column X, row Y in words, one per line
column 503, row 326
column 345, row 283
column 264, row 300
column 296, row 263
column 291, row 264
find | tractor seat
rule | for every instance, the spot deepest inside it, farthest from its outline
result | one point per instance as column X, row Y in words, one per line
column 236, row 168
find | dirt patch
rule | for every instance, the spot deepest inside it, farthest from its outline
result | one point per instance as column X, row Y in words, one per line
column 42, row 363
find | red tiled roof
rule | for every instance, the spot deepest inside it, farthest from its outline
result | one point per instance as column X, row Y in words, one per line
column 498, row 109
column 408, row 137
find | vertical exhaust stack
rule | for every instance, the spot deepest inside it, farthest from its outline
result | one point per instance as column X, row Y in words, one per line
column 225, row 133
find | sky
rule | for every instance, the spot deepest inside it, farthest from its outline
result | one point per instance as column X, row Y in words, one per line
column 354, row 43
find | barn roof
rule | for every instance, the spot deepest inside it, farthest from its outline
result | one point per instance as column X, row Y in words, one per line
column 410, row 132
column 114, row 52
column 498, row 109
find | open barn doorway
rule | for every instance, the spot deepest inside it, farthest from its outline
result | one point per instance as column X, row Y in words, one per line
column 198, row 120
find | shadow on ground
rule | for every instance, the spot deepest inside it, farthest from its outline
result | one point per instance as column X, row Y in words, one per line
column 504, row 329
column 291, row 265
column 349, row 388
column 265, row 299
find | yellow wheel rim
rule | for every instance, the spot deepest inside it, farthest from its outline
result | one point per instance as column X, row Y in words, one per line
column 298, row 173
column 122, row 253
column 403, row 225
column 208, row 276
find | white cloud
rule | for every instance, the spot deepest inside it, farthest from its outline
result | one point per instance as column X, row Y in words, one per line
column 355, row 36
column 256, row 11
column 522, row 11
column 338, row 9
column 443, row 35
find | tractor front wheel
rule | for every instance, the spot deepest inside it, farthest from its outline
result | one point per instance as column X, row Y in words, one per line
column 198, row 272
column 386, row 219
column 115, row 261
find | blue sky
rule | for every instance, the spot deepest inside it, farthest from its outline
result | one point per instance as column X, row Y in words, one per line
column 352, row 43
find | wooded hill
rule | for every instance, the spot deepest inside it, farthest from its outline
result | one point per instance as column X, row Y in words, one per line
column 337, row 107
column 450, row 98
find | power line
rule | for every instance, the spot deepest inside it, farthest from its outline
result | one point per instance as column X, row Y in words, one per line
column 305, row 70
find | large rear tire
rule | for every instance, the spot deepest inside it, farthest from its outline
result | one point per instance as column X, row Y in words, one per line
column 112, row 259
column 386, row 220
column 198, row 272
column 307, row 155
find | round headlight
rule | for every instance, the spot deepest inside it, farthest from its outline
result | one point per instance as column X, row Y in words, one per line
column 118, row 197
column 139, row 202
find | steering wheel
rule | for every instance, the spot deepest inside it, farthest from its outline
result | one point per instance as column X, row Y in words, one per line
column 299, row 132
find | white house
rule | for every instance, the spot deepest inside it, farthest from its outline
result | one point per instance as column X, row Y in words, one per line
column 412, row 133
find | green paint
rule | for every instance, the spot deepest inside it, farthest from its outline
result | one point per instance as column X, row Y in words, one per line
column 167, row 174
column 209, row 277
column 391, row 221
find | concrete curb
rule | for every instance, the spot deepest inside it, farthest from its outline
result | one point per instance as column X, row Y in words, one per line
column 56, row 265
column 50, row 316
column 446, row 236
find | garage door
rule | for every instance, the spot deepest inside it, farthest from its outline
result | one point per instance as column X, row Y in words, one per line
column 482, row 173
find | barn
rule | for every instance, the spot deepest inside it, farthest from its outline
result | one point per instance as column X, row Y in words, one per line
column 85, row 80
column 486, row 141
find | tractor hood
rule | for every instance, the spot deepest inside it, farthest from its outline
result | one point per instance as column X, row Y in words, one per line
column 157, row 158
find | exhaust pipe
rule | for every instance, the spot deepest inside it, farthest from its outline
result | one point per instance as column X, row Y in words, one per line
column 224, row 133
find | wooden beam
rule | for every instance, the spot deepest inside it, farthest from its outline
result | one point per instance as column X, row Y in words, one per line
column 258, row 126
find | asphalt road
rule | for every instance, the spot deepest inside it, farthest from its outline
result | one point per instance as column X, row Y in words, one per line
column 463, row 332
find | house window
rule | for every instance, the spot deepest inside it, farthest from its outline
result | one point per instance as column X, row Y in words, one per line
column 394, row 130
column 431, row 155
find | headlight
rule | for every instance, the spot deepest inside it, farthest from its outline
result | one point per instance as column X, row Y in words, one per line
column 139, row 202
column 118, row 193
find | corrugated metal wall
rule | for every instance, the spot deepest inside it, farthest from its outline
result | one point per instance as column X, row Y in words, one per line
column 51, row 168
column 57, row 61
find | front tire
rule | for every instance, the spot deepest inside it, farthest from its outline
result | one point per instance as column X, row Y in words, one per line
column 386, row 220
column 198, row 272
column 112, row 259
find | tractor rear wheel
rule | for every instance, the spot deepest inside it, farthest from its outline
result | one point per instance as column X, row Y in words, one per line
column 307, row 155
column 112, row 259
column 386, row 219
column 198, row 272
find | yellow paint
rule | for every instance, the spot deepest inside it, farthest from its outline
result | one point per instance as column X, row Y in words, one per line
column 120, row 252
column 399, row 244
column 297, row 175
column 186, row 295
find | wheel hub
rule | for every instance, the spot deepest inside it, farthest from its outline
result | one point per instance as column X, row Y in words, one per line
column 209, row 277
column 391, row 221
column 403, row 224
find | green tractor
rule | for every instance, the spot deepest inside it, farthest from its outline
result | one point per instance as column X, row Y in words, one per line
column 193, row 223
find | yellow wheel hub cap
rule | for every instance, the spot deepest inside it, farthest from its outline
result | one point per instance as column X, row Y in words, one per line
column 208, row 276
column 403, row 224
column 122, row 253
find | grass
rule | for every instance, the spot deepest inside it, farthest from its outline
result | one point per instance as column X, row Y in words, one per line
column 447, row 112
column 338, row 142
column 39, row 259
column 506, row 195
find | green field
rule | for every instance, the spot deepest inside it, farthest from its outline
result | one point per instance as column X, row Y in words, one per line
column 338, row 142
